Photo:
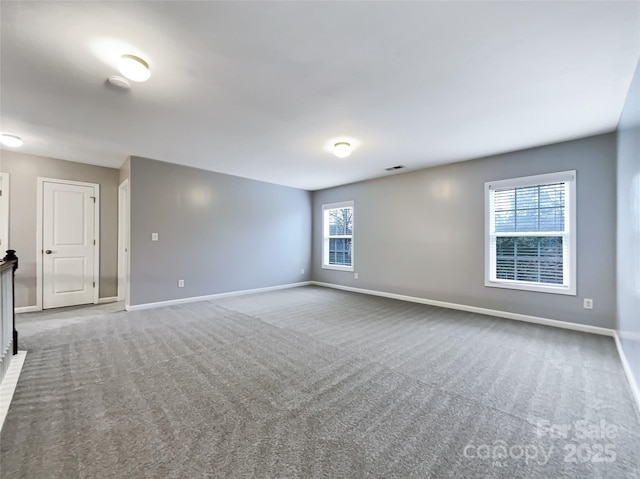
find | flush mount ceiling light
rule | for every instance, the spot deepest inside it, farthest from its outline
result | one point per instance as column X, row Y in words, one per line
column 12, row 141
column 134, row 68
column 342, row 149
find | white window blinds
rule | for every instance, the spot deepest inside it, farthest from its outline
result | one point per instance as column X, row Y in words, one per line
column 530, row 236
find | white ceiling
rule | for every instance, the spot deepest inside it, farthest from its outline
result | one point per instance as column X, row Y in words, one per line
column 259, row 89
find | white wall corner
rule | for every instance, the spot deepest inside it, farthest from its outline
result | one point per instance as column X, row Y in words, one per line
column 633, row 385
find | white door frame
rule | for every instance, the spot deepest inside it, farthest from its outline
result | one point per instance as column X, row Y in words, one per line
column 123, row 241
column 39, row 233
column 4, row 205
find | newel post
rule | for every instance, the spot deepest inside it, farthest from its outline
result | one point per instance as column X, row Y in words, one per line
column 10, row 256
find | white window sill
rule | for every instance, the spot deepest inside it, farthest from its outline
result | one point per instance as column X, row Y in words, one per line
column 534, row 287
column 337, row 267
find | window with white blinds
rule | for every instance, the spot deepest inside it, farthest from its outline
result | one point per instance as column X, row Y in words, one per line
column 337, row 251
column 531, row 240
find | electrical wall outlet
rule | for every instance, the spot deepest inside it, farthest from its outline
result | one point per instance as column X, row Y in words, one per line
column 181, row 283
column 588, row 303
column 302, row 271
column 355, row 275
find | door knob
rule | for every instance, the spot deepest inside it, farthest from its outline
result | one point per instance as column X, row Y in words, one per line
column 48, row 251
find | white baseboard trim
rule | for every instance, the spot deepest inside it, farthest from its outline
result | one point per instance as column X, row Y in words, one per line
column 172, row 302
column 473, row 309
column 27, row 309
column 635, row 390
column 110, row 299
column 31, row 309
column 9, row 383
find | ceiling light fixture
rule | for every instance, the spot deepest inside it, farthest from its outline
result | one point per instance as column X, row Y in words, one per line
column 134, row 68
column 12, row 141
column 342, row 149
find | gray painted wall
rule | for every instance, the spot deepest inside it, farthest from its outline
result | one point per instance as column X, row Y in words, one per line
column 24, row 171
column 629, row 227
column 422, row 233
column 219, row 233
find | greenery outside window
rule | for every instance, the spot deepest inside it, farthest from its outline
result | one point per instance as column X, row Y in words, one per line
column 337, row 251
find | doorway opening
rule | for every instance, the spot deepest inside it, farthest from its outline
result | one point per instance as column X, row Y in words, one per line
column 123, row 242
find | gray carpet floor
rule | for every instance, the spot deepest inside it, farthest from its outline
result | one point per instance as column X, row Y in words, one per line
column 314, row 383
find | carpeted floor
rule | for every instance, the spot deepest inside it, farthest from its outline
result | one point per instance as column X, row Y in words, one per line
column 314, row 383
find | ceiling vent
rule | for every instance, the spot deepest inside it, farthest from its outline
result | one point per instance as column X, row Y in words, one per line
column 393, row 168
column 119, row 82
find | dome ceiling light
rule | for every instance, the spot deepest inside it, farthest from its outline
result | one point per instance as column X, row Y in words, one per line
column 342, row 149
column 134, row 68
column 12, row 141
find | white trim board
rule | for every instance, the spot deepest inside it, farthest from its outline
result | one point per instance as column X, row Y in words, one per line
column 633, row 385
column 34, row 308
column 473, row 309
column 109, row 299
column 9, row 383
column 27, row 309
column 194, row 299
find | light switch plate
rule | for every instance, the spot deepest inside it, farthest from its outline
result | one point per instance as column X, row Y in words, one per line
column 154, row 236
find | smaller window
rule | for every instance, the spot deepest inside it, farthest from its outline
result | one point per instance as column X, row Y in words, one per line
column 531, row 233
column 337, row 244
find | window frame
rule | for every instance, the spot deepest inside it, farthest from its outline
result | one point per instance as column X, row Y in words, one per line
column 569, row 235
column 326, row 236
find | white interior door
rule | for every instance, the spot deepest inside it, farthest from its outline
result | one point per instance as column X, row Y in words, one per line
column 68, row 244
